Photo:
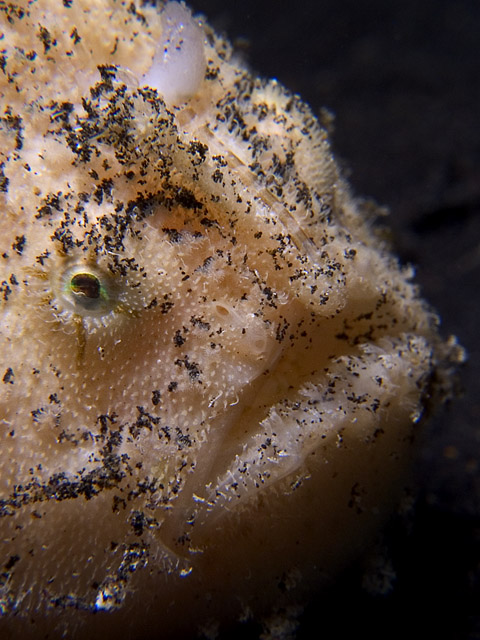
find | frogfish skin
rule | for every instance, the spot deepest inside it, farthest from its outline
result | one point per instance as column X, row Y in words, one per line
column 212, row 368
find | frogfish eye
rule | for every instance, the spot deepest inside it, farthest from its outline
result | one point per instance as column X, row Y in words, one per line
column 86, row 290
column 86, row 287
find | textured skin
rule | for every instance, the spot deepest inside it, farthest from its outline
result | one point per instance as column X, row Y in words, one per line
column 228, row 426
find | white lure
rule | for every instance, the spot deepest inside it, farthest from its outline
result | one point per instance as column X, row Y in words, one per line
column 178, row 67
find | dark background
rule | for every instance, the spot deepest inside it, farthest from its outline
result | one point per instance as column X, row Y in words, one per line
column 403, row 80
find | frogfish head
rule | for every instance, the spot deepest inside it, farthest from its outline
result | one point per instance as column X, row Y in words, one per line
column 212, row 366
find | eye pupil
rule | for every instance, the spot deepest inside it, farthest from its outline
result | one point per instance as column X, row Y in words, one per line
column 86, row 284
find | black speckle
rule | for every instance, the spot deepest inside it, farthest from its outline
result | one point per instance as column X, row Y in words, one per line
column 5, row 290
column 185, row 198
column 12, row 562
column 132, row 9
column 3, row 180
column 12, row 11
column 156, row 397
column 178, row 339
column 8, row 376
column 51, row 201
column 166, row 306
column 217, row 176
column 74, row 35
column 209, row 223
column 200, row 323
column 193, row 368
column 13, row 123
column 174, row 235
column 182, row 440
column 46, row 39
column 42, row 257
column 19, row 244
column 118, row 502
column 211, row 73
column 198, row 152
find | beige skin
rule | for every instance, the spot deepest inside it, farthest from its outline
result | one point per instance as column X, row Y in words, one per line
column 212, row 367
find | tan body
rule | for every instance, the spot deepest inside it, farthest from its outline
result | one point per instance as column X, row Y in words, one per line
column 212, row 366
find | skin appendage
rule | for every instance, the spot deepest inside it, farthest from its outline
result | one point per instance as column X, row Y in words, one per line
column 178, row 66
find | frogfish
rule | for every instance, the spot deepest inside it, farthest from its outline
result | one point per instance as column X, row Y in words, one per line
column 213, row 369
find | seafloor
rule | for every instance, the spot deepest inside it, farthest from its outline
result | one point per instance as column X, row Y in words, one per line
column 403, row 80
